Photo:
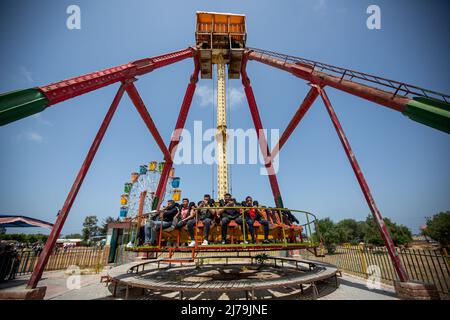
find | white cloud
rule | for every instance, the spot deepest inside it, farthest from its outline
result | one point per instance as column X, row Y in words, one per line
column 26, row 74
column 32, row 136
column 41, row 120
column 236, row 97
column 205, row 94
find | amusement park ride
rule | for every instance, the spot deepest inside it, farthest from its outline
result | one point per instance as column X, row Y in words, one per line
column 221, row 41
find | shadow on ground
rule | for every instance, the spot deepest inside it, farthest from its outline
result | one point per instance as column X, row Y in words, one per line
column 362, row 286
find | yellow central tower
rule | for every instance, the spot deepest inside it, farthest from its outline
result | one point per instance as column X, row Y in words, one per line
column 220, row 38
column 221, row 134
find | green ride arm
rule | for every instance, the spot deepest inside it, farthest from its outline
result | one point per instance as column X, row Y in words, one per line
column 431, row 112
column 20, row 104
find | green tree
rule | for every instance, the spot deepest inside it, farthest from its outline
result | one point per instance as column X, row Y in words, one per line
column 2, row 230
column 104, row 228
column 372, row 233
column 400, row 234
column 24, row 238
column 350, row 231
column 90, row 227
column 438, row 228
column 41, row 238
column 12, row 236
column 329, row 233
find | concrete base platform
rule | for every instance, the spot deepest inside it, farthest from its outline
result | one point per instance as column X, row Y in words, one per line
column 350, row 288
column 23, row 294
column 224, row 275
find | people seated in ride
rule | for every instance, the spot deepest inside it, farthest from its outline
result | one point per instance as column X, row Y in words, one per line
column 286, row 220
column 223, row 202
column 202, row 213
column 210, row 203
column 254, row 213
column 138, row 235
column 229, row 213
column 163, row 218
column 267, row 214
column 290, row 217
column 185, row 214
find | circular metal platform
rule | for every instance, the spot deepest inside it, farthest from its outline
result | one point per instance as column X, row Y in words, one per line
column 225, row 274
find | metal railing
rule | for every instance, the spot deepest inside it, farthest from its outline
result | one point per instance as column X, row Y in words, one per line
column 424, row 265
column 395, row 87
column 310, row 234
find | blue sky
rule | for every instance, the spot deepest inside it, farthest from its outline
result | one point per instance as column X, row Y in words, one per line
column 405, row 164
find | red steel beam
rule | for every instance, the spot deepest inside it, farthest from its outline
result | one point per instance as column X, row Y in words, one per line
column 301, row 111
column 143, row 112
column 261, row 136
column 184, row 110
column 162, row 183
column 70, row 88
column 322, row 79
column 141, row 209
column 62, row 215
column 400, row 269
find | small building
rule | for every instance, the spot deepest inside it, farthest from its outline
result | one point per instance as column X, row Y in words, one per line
column 118, row 234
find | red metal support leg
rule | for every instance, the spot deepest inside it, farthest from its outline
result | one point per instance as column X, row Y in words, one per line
column 161, row 189
column 261, row 136
column 400, row 269
column 184, row 110
column 45, row 254
column 140, row 106
column 301, row 111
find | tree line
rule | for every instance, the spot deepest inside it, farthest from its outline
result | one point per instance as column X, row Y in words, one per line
column 354, row 232
column 438, row 228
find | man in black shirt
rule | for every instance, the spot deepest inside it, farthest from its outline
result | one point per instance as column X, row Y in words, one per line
column 227, row 214
column 208, row 201
column 165, row 219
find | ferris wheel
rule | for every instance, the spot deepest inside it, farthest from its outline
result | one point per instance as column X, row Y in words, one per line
column 144, row 183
